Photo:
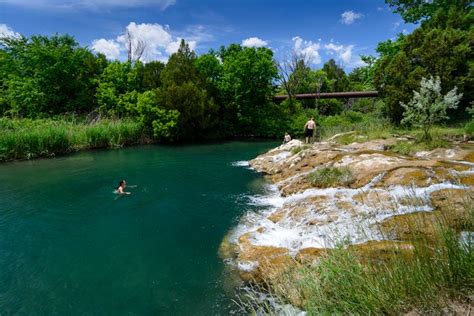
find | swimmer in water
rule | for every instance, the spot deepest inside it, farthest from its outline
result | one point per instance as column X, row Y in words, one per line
column 121, row 188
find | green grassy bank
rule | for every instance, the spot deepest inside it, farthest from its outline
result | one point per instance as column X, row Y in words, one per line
column 27, row 139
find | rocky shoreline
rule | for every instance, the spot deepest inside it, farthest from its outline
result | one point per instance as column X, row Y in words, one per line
column 389, row 200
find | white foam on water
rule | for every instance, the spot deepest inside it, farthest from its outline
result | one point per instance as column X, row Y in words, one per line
column 241, row 163
column 350, row 226
column 400, row 192
column 272, row 199
column 247, row 266
column 466, row 172
column 462, row 162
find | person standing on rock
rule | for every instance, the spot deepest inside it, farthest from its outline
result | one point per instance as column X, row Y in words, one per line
column 309, row 129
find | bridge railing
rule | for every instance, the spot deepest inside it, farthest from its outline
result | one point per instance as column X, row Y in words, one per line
column 329, row 95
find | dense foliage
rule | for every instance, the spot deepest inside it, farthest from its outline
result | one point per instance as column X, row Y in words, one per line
column 441, row 46
column 229, row 92
column 44, row 76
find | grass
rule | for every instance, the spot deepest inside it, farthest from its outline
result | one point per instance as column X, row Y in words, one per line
column 469, row 128
column 437, row 275
column 368, row 126
column 330, row 176
column 27, row 139
column 298, row 149
column 412, row 147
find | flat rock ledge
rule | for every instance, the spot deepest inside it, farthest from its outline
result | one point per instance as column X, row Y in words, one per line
column 390, row 200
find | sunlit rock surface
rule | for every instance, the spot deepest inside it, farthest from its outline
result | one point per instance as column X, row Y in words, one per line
column 393, row 198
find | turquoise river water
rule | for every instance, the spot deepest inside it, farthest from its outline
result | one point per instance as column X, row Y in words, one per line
column 68, row 245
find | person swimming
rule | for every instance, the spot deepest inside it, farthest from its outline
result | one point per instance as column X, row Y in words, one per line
column 121, row 188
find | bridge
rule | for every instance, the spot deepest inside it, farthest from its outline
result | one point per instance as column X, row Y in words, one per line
column 329, row 95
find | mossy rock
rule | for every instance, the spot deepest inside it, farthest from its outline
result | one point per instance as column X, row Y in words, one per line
column 382, row 250
column 407, row 176
column 410, row 227
column 310, row 256
column 453, row 209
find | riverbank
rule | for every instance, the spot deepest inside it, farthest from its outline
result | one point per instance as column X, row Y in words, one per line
column 43, row 138
column 27, row 139
column 356, row 228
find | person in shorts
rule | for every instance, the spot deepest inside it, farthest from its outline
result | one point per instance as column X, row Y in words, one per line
column 309, row 129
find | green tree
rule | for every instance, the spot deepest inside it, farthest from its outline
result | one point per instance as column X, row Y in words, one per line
column 428, row 106
column 149, row 75
column 54, row 69
column 362, row 78
column 160, row 123
column 246, row 85
column 117, row 89
column 184, row 90
column 413, row 11
column 210, row 69
column 337, row 77
column 440, row 46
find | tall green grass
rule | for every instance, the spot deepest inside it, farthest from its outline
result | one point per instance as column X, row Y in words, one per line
column 370, row 126
column 26, row 138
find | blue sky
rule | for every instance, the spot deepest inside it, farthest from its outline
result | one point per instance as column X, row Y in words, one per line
column 322, row 29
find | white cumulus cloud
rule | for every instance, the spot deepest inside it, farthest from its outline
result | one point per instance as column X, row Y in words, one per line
column 6, row 31
column 110, row 48
column 308, row 49
column 344, row 53
column 254, row 42
column 158, row 40
column 349, row 17
column 331, row 48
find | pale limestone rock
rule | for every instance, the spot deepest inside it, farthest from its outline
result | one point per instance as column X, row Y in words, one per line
column 393, row 196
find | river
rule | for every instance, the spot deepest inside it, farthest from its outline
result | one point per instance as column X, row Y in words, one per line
column 68, row 245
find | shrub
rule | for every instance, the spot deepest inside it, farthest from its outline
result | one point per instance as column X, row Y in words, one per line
column 428, row 106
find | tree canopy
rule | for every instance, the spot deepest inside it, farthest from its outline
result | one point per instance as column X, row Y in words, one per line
column 229, row 92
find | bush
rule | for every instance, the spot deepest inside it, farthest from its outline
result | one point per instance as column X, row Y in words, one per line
column 428, row 106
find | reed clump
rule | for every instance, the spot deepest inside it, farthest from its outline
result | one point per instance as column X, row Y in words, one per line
column 27, row 139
